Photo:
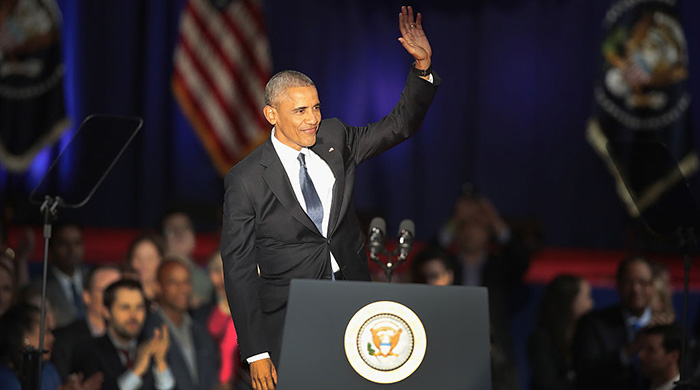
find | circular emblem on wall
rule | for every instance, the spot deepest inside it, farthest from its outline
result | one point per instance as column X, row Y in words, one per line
column 385, row 342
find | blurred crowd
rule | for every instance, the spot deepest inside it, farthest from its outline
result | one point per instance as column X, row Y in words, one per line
column 160, row 320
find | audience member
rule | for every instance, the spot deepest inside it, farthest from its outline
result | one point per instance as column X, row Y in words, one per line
column 659, row 355
column 605, row 346
column 31, row 295
column 432, row 266
column 144, row 255
column 125, row 365
column 223, row 332
column 8, row 290
column 64, row 283
column 180, row 241
column 93, row 325
column 192, row 354
column 565, row 300
column 662, row 298
column 477, row 226
column 19, row 332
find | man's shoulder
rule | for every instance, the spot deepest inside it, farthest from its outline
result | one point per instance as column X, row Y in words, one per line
column 249, row 162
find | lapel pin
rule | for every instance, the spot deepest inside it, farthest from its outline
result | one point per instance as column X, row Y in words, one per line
column 331, row 149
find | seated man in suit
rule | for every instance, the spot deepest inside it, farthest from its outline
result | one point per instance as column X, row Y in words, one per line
column 65, row 277
column 605, row 344
column 125, row 365
column 659, row 355
column 192, row 356
column 93, row 325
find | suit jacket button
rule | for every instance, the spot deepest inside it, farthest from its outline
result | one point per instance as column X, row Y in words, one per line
column 328, row 241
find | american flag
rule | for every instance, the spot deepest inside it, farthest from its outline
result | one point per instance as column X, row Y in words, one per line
column 222, row 63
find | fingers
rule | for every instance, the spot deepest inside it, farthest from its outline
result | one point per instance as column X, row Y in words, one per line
column 274, row 374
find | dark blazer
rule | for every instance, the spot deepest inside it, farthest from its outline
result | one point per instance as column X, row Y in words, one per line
column 206, row 356
column 550, row 368
column 63, row 306
column 67, row 338
column 100, row 355
column 264, row 224
column 600, row 336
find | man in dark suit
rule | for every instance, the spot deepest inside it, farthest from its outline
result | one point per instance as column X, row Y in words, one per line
column 124, row 365
column 605, row 344
column 64, row 280
column 288, row 206
column 192, row 355
column 93, row 325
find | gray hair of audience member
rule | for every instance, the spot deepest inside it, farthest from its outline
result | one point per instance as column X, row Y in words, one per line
column 281, row 81
column 90, row 278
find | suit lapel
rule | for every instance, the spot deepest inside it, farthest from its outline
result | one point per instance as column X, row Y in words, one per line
column 276, row 178
column 332, row 155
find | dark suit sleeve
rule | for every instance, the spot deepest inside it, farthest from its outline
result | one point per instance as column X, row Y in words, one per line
column 592, row 360
column 547, row 370
column 240, row 266
column 403, row 121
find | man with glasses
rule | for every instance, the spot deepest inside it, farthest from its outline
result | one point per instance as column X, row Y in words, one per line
column 605, row 346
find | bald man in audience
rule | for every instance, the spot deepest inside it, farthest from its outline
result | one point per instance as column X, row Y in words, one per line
column 192, row 355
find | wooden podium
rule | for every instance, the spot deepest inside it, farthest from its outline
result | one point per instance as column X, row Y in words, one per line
column 362, row 335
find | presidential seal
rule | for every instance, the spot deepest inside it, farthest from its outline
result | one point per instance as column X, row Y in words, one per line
column 385, row 342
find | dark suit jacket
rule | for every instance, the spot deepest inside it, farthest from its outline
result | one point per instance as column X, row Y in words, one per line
column 264, row 224
column 63, row 306
column 549, row 367
column 206, row 356
column 67, row 338
column 100, row 355
column 600, row 335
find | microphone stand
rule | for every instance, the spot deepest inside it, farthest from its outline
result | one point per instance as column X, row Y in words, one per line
column 33, row 358
column 391, row 264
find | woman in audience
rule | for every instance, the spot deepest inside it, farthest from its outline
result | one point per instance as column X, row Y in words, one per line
column 220, row 327
column 144, row 255
column 662, row 300
column 565, row 300
column 19, row 330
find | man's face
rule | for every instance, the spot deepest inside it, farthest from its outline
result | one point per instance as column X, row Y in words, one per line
column 179, row 235
column 296, row 116
column 93, row 297
column 127, row 314
column 635, row 287
column 175, row 287
column 67, row 249
column 654, row 359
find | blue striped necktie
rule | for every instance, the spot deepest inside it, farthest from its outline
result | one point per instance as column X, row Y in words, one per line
column 314, row 208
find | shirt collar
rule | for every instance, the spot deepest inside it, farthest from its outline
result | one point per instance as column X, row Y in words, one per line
column 186, row 320
column 286, row 153
column 670, row 385
column 66, row 280
column 125, row 347
column 640, row 321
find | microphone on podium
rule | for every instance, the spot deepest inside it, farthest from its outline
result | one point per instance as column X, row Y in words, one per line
column 407, row 229
column 377, row 227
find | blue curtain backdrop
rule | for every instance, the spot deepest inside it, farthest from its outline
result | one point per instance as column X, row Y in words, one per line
column 510, row 115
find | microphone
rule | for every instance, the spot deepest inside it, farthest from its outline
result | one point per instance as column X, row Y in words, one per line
column 376, row 236
column 407, row 229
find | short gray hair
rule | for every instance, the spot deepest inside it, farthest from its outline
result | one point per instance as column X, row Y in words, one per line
column 279, row 83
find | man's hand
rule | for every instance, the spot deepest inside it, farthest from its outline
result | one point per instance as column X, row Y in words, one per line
column 161, row 341
column 263, row 375
column 413, row 38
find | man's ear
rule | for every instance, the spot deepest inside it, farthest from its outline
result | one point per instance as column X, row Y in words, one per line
column 86, row 298
column 105, row 314
column 270, row 114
